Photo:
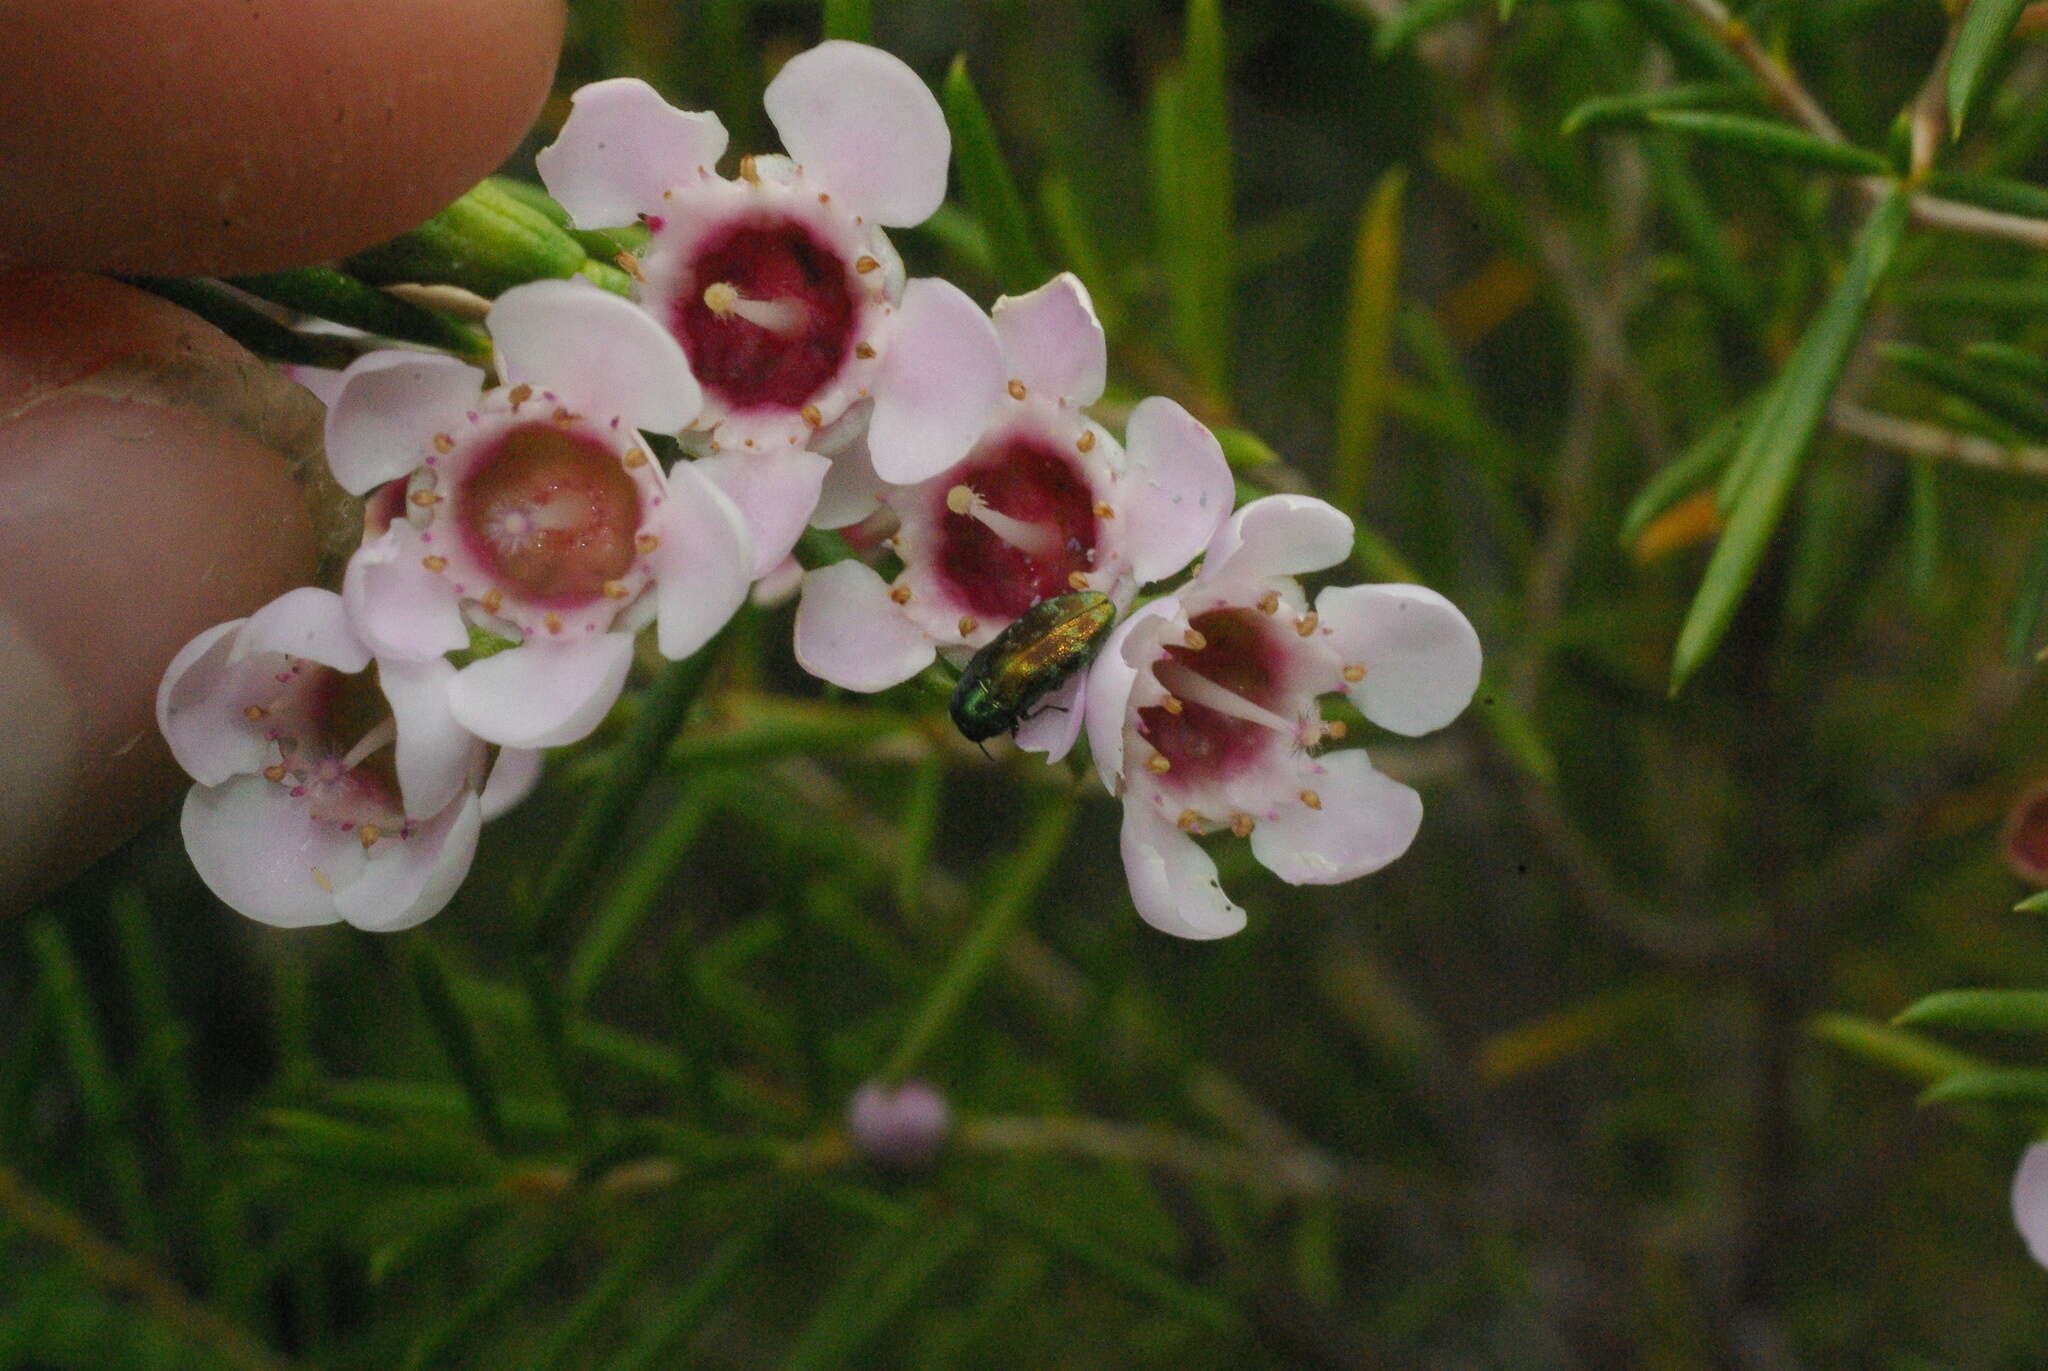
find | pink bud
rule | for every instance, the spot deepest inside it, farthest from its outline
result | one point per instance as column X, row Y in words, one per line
column 900, row 1128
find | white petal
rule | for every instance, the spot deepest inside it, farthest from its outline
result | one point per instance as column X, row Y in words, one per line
column 324, row 382
column 1055, row 721
column 199, row 707
column 435, row 754
column 382, row 424
column 702, row 565
column 776, row 494
column 941, row 374
column 513, row 777
column 1421, row 656
column 864, row 126
column 851, row 491
column 1110, row 681
column 621, row 147
column 1180, row 488
column 402, row 610
column 599, row 354
column 1052, row 341
column 850, row 633
column 1173, row 882
column 1279, row 535
column 414, row 881
column 2030, row 1201
column 259, row 851
column 308, row 622
column 542, row 694
column 1366, row 820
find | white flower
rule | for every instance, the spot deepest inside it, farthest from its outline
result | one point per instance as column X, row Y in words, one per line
column 780, row 285
column 1044, row 503
column 325, row 793
column 1202, row 712
column 533, row 510
column 2030, row 1201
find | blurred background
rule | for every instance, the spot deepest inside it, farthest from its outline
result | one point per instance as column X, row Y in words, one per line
column 1598, row 1075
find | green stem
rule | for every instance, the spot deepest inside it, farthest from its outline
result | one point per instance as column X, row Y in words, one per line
column 330, row 294
column 251, row 327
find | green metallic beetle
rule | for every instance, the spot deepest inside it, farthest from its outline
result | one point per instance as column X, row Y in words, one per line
column 1037, row 654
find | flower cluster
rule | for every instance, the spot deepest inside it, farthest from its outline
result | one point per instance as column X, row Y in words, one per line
column 520, row 531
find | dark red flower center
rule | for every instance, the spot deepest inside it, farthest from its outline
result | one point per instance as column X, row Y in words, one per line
column 766, row 314
column 996, row 567
column 333, row 734
column 2026, row 837
column 550, row 513
column 1205, row 743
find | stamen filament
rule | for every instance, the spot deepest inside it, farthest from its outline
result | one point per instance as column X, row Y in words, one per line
column 383, row 734
column 1196, row 688
column 1034, row 540
column 785, row 317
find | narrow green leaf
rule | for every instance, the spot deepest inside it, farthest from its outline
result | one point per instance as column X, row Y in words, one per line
column 465, row 1058
column 1689, row 471
column 1720, row 273
column 1992, row 192
column 2003, row 1011
column 1677, row 26
column 1980, row 33
column 2020, row 364
column 2036, row 903
column 250, row 327
column 1199, row 217
column 1368, row 337
column 500, row 1283
column 2013, row 402
column 919, row 824
column 1923, row 530
column 1074, row 244
column 1777, row 439
column 875, row 1284
column 2029, row 599
column 1824, row 542
column 329, row 294
column 1415, row 19
column 853, row 20
column 987, row 186
column 1004, row 903
column 570, row 1338
column 1634, row 106
column 100, row 1096
column 1769, row 138
column 163, row 1063
column 1910, row 1054
column 2009, row 1086
column 639, row 888
column 681, row 1316
column 2024, row 298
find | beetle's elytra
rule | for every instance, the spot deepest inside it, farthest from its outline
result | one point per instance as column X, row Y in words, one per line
column 1038, row 653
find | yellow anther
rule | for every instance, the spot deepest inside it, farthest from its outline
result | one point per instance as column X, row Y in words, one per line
column 968, row 623
column 1078, row 580
column 425, row 499
column 562, row 417
column 1194, row 639
column 1188, row 821
column 634, row 458
column 1269, row 603
column 519, row 394
column 1311, row 799
column 1016, row 390
column 630, row 264
column 552, row 622
column 493, row 601
column 275, row 772
column 368, row 833
column 1336, row 728
column 434, row 561
column 1157, row 764
column 1354, row 672
column 1086, row 442
column 320, row 879
column 1241, row 824
column 614, row 590
column 1305, row 625
column 812, row 416
column 865, row 264
column 749, row 173
column 645, row 544
column 1171, row 704
column 1103, row 511
column 864, row 350
column 255, row 713
column 443, row 443
column 900, row 594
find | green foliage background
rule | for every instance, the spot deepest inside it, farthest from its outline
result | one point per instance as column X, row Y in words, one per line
column 1598, row 1075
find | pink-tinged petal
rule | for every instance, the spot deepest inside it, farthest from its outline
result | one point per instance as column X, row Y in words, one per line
column 434, row 754
column 2030, row 1201
column 1279, row 535
column 265, row 855
column 1052, row 341
column 942, row 372
column 865, row 127
column 1421, row 656
column 1055, row 721
column 1110, row 681
column 703, row 562
column 1180, row 488
column 402, row 611
column 600, row 354
column 414, row 880
column 1366, row 819
column 324, row 382
column 779, row 586
column 775, row 492
column 542, row 694
column 621, row 147
column 513, row 777
column 199, row 707
column 1173, row 882
column 308, row 622
column 382, row 424
column 850, row 633
column 851, row 491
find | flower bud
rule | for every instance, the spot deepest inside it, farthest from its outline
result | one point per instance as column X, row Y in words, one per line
column 898, row 1128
